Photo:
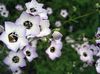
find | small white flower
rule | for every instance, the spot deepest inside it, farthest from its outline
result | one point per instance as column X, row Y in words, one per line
column 64, row 13
column 31, row 23
column 14, row 36
column 54, row 51
column 76, row 46
column 5, row 13
column 98, row 33
column 49, row 10
column 69, row 39
column 19, row 7
column 70, row 28
column 15, row 60
column 95, row 50
column 58, row 23
column 44, row 26
column 2, row 7
column 30, row 53
column 86, row 55
column 98, row 66
column 17, row 71
column 57, row 35
column 35, row 8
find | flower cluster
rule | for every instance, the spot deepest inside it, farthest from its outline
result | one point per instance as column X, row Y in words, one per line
column 87, row 51
column 21, row 36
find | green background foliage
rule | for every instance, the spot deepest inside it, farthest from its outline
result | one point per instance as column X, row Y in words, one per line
column 84, row 16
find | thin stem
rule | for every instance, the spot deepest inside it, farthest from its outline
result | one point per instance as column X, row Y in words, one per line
column 74, row 19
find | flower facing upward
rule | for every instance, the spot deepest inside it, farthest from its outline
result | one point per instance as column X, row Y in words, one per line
column 15, row 60
column 31, row 23
column 14, row 36
column 54, row 50
column 64, row 13
column 35, row 8
column 30, row 53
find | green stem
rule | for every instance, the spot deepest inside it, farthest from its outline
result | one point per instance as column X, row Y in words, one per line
column 85, row 15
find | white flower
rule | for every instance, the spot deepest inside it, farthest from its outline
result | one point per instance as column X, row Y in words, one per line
column 86, row 55
column 69, row 39
column 70, row 28
column 2, row 7
column 98, row 33
column 95, row 50
column 49, row 10
column 5, row 13
column 76, row 46
column 15, row 60
column 98, row 66
column 44, row 26
column 30, row 53
column 31, row 23
column 57, row 35
column 17, row 71
column 35, row 8
column 14, row 36
column 64, row 13
column 19, row 7
column 54, row 51
column 58, row 23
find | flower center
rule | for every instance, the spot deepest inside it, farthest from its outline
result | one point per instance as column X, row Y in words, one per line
column 28, row 53
column 15, row 59
column 28, row 24
column 85, row 54
column 13, row 37
column 32, row 10
column 52, row 49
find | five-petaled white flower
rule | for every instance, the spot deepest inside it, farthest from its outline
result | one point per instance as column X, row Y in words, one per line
column 36, row 8
column 30, row 53
column 44, row 27
column 31, row 23
column 15, row 60
column 14, row 36
column 64, row 13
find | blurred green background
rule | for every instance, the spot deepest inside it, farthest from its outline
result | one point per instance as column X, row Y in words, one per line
column 84, row 16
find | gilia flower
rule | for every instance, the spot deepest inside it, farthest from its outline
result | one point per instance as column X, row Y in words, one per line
column 15, row 60
column 5, row 13
column 64, row 13
column 49, row 11
column 57, row 35
column 98, row 33
column 2, row 7
column 31, row 23
column 98, row 66
column 19, row 7
column 30, row 53
column 35, row 8
column 86, row 55
column 14, row 36
column 44, row 26
column 58, row 23
column 17, row 71
column 54, row 51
